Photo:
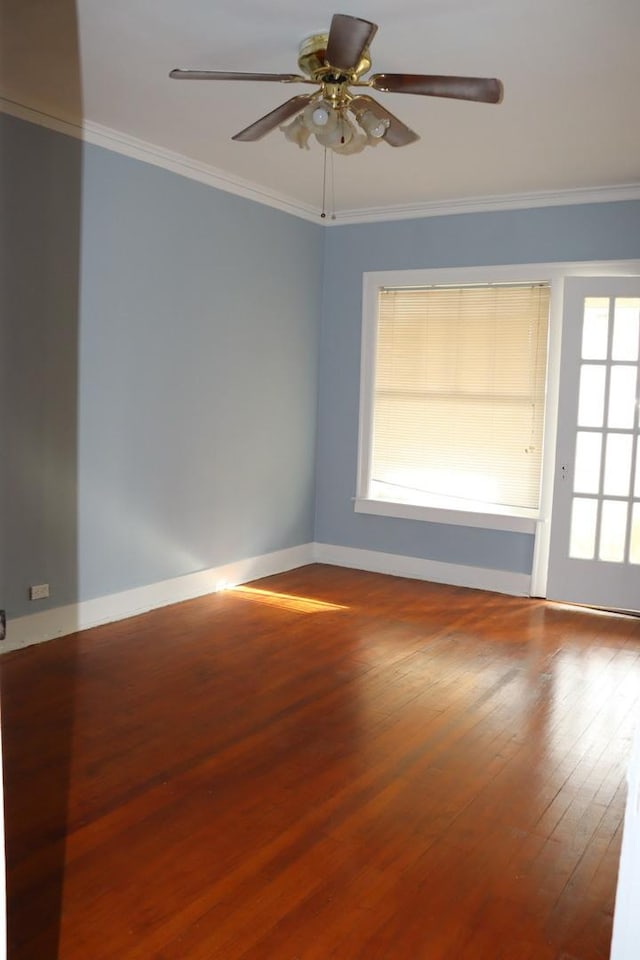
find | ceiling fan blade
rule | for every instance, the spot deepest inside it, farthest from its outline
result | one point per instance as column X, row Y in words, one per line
column 398, row 133
column 481, row 89
column 349, row 37
column 271, row 120
column 225, row 75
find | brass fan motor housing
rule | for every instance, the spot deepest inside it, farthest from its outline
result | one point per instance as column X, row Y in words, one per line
column 312, row 62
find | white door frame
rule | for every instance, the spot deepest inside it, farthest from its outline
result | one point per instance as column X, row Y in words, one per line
column 557, row 273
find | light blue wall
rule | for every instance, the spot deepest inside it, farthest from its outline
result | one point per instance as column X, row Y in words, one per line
column 589, row 232
column 159, row 382
column 198, row 374
column 40, row 183
column 184, row 373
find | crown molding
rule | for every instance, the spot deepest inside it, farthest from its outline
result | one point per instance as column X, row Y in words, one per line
column 184, row 166
column 515, row 201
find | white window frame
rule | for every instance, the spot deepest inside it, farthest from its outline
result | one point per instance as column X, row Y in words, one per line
column 510, row 519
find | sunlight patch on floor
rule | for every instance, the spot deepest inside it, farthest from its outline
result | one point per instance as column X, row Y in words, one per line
column 286, row 601
column 597, row 611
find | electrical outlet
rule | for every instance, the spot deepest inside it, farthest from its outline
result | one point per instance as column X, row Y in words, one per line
column 3, row 624
column 39, row 592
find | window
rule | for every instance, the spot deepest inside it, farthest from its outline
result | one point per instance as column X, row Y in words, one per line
column 455, row 400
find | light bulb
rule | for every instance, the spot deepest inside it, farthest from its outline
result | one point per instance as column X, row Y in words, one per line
column 319, row 117
column 374, row 126
column 379, row 129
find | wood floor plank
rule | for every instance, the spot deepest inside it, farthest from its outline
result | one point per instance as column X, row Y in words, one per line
column 323, row 764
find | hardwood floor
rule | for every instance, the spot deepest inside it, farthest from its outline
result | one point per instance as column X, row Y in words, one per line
column 324, row 764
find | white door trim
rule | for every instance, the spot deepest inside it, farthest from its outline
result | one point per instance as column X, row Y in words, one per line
column 559, row 272
column 591, row 579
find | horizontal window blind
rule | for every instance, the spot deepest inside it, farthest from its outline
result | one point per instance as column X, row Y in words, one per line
column 459, row 395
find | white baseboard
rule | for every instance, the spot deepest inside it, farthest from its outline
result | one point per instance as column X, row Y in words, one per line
column 479, row 578
column 60, row 621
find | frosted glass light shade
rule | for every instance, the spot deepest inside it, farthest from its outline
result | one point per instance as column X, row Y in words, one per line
column 341, row 134
column 374, row 126
column 298, row 132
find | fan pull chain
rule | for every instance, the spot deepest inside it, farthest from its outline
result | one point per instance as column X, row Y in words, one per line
column 333, row 187
column 324, row 186
column 332, row 202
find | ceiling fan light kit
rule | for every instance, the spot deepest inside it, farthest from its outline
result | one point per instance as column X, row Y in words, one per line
column 340, row 120
column 344, row 131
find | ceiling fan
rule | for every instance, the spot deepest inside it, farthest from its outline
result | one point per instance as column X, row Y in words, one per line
column 341, row 118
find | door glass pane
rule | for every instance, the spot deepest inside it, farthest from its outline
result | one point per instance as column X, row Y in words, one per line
column 595, row 328
column 634, row 550
column 584, row 516
column 626, row 324
column 591, row 403
column 636, row 487
column 587, row 469
column 613, row 530
column 622, row 396
column 617, row 465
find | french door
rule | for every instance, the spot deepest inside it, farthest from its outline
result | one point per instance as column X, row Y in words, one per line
column 595, row 528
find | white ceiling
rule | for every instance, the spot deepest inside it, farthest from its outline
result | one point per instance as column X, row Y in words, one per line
column 570, row 68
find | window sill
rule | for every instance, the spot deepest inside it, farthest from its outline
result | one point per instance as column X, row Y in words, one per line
column 519, row 522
